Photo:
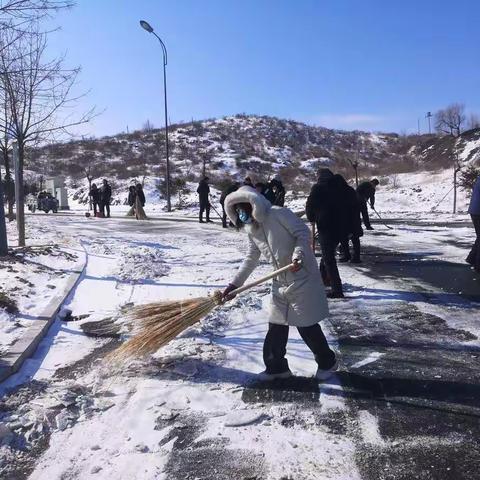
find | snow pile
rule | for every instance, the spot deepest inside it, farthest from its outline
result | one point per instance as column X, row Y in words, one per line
column 141, row 262
column 30, row 278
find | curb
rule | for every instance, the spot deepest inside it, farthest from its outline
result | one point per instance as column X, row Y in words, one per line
column 26, row 345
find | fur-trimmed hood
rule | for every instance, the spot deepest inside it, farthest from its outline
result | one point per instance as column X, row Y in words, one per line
column 260, row 205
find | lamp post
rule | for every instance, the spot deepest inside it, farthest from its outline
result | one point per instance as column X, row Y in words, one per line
column 429, row 116
column 146, row 26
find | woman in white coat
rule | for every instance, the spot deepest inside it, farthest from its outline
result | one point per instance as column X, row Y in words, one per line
column 298, row 296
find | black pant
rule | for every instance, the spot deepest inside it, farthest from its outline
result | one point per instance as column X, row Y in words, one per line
column 275, row 347
column 95, row 208
column 328, row 263
column 474, row 255
column 345, row 248
column 204, row 207
column 105, row 206
column 364, row 211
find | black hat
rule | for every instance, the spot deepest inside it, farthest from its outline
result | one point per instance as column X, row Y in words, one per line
column 324, row 175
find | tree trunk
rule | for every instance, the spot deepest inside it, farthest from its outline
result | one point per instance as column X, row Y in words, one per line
column 89, row 190
column 3, row 227
column 8, row 184
column 19, row 152
column 455, row 189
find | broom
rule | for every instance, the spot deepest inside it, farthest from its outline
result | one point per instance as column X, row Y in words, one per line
column 160, row 322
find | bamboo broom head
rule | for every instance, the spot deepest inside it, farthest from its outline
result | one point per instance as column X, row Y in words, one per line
column 161, row 322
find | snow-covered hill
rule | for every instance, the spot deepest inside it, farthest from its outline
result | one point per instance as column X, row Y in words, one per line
column 261, row 147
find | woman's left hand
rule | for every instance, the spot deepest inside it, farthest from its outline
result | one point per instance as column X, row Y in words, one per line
column 297, row 265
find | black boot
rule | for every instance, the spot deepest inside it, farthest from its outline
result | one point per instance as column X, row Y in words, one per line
column 333, row 294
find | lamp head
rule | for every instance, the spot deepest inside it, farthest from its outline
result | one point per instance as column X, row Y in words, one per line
column 146, row 26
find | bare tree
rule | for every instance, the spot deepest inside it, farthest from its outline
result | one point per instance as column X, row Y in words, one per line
column 456, row 169
column 451, row 119
column 89, row 163
column 206, row 157
column 148, row 126
column 22, row 11
column 473, row 121
column 39, row 95
column 395, row 180
column 4, row 152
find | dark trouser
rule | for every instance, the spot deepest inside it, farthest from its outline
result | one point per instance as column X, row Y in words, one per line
column 204, row 207
column 364, row 211
column 345, row 249
column 474, row 255
column 95, row 208
column 328, row 263
column 105, row 206
column 275, row 347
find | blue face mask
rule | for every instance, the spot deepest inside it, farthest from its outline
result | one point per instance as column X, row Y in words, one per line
column 243, row 216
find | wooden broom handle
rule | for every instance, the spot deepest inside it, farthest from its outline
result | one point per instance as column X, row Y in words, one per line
column 261, row 280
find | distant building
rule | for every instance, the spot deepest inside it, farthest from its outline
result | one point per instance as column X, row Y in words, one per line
column 56, row 186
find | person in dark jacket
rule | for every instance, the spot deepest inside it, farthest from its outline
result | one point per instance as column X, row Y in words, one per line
column 139, row 203
column 132, row 193
column 474, row 210
column 366, row 193
column 105, row 198
column 203, row 191
column 352, row 228
column 227, row 191
column 260, row 187
column 94, row 195
column 322, row 207
column 275, row 192
column 248, row 182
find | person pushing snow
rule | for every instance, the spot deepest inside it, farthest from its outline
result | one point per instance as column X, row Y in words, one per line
column 298, row 296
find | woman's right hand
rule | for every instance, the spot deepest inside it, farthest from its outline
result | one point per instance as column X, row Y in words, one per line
column 226, row 293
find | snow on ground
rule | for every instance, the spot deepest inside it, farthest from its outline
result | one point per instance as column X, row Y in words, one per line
column 30, row 277
column 227, row 346
column 149, row 420
column 419, row 192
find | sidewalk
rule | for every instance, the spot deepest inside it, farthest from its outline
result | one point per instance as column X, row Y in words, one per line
column 16, row 354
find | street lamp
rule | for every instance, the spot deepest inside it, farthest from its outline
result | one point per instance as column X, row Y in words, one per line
column 146, row 26
column 429, row 116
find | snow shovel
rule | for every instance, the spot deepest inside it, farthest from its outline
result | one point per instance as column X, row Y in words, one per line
column 215, row 210
column 381, row 219
column 313, row 237
column 160, row 322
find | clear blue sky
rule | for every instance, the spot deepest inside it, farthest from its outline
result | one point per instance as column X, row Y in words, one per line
column 371, row 64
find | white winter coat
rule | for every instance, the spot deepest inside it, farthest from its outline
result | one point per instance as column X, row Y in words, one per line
column 298, row 298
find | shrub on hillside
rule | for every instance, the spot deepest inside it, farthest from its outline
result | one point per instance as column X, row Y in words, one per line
column 177, row 185
column 468, row 177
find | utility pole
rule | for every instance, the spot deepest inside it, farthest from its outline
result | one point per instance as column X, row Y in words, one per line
column 355, row 166
column 429, row 116
column 456, row 169
column 418, row 125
